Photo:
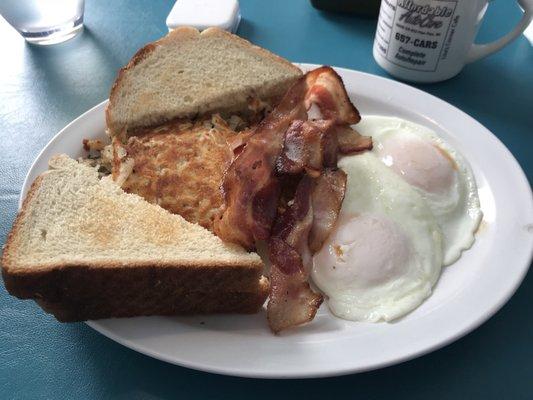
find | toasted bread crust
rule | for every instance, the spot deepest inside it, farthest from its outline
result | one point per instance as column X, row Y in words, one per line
column 177, row 35
column 6, row 261
column 140, row 55
column 78, row 293
column 187, row 303
column 65, row 282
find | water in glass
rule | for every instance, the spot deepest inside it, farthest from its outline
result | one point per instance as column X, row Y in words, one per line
column 44, row 21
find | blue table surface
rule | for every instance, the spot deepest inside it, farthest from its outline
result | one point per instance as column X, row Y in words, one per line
column 42, row 89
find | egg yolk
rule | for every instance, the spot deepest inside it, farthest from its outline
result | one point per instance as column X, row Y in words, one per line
column 363, row 251
column 419, row 162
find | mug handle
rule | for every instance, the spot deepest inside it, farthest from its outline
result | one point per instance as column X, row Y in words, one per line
column 478, row 51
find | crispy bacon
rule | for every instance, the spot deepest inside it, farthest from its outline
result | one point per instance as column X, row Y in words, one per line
column 298, row 233
column 251, row 189
column 293, row 225
column 350, row 141
column 292, row 302
column 326, row 201
column 327, row 91
column 308, row 147
column 284, row 148
column 311, row 146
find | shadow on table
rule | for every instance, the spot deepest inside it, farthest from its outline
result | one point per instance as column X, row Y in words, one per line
column 246, row 28
column 73, row 75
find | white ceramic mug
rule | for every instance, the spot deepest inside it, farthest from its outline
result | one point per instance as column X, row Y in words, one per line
column 432, row 40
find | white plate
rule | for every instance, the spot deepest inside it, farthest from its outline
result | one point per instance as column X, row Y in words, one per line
column 467, row 294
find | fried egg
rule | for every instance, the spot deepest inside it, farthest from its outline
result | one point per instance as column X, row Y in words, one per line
column 436, row 171
column 385, row 252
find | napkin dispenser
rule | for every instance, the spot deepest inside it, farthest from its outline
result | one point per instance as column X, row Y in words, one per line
column 202, row 14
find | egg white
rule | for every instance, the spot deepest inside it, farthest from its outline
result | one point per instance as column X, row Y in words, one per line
column 385, row 253
column 456, row 206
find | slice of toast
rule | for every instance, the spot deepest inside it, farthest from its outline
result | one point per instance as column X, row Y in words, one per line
column 188, row 73
column 85, row 249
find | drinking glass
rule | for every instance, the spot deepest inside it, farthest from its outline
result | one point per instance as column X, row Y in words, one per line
column 44, row 22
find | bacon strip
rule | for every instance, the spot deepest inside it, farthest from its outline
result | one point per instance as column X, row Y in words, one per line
column 308, row 147
column 326, row 200
column 311, row 146
column 327, row 91
column 292, row 302
column 282, row 148
column 350, row 141
column 298, row 306
column 251, row 189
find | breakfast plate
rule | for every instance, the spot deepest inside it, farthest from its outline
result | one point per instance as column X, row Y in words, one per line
column 468, row 293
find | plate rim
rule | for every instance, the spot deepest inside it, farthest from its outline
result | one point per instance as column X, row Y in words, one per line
column 525, row 189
